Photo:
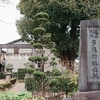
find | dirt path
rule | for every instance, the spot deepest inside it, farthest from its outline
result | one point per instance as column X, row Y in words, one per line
column 18, row 87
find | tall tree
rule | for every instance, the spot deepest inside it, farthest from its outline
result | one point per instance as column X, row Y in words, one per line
column 65, row 17
column 41, row 38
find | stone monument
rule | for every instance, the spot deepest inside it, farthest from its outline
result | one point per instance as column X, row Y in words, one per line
column 8, row 73
column 89, row 61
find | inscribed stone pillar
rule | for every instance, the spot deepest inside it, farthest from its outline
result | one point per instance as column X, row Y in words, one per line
column 89, row 62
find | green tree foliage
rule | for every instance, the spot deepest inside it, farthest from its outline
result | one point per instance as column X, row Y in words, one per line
column 65, row 17
column 53, row 84
column 56, row 72
column 67, row 84
column 64, row 85
column 41, row 39
column 37, row 82
column 31, row 85
column 41, row 79
column 70, row 80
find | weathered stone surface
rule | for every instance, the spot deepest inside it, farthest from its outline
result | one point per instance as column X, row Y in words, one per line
column 8, row 76
column 89, row 60
column 67, row 98
column 92, row 95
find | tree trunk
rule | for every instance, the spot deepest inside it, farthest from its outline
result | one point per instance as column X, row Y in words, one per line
column 43, row 88
column 68, row 56
column 67, row 59
column 42, row 66
column 42, row 63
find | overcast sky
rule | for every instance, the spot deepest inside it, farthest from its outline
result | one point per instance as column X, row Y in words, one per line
column 8, row 16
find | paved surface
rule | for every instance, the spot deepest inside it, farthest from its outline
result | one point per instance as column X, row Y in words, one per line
column 18, row 87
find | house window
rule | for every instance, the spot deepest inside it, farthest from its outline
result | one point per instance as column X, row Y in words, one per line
column 16, row 50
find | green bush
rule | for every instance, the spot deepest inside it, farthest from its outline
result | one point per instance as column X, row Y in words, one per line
column 15, row 96
column 13, row 81
column 39, row 75
column 5, row 85
column 53, row 84
column 35, row 58
column 56, row 72
column 21, row 73
column 9, row 65
column 48, row 73
column 67, row 83
column 30, row 70
column 14, row 75
column 31, row 84
column 2, row 75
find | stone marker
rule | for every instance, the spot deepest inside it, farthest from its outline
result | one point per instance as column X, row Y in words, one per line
column 89, row 65
column 89, row 61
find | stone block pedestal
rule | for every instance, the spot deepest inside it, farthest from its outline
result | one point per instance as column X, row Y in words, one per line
column 91, row 95
column 8, row 77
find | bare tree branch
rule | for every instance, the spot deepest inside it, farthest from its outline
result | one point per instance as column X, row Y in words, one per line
column 4, row 3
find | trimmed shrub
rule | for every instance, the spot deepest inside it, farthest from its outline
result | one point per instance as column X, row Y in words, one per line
column 56, row 72
column 29, row 70
column 48, row 73
column 31, row 85
column 14, row 75
column 5, row 85
column 53, row 84
column 21, row 73
column 2, row 75
column 13, row 81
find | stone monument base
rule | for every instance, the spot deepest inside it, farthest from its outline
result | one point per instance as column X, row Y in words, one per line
column 91, row 95
column 8, row 76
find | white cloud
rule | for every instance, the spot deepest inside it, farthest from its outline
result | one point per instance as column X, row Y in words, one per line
column 8, row 16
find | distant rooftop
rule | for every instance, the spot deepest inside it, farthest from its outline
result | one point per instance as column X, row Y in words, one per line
column 15, row 41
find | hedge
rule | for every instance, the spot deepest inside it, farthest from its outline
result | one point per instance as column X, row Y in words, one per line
column 13, row 81
column 14, row 75
column 2, row 75
column 21, row 73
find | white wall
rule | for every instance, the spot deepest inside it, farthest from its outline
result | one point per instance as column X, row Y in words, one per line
column 58, row 66
column 18, row 60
